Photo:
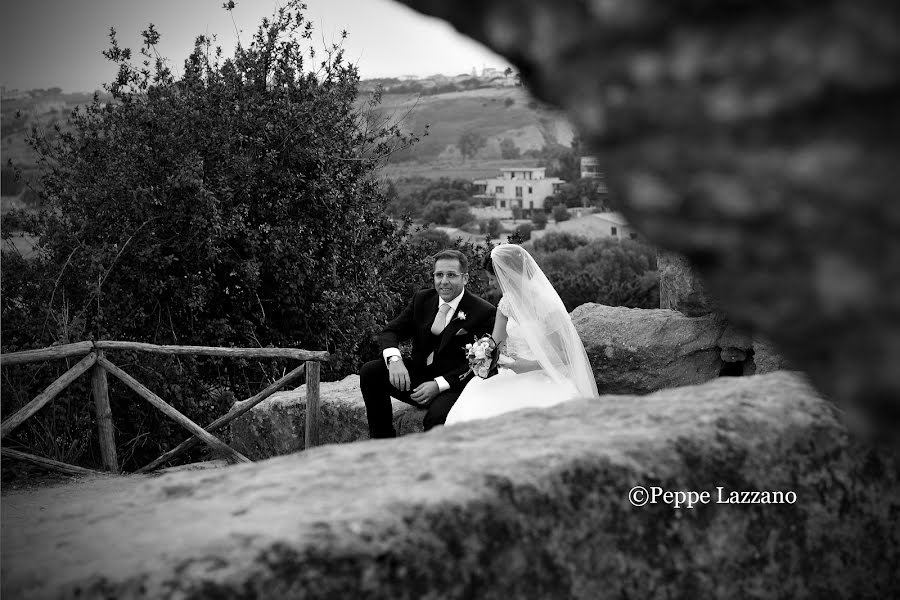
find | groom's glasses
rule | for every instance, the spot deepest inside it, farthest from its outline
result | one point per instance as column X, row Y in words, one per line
column 451, row 276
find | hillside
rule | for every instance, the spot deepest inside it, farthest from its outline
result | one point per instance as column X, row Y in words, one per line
column 494, row 113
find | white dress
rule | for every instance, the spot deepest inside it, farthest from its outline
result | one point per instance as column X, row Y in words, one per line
column 507, row 390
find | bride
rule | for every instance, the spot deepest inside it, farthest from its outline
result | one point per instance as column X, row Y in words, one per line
column 542, row 360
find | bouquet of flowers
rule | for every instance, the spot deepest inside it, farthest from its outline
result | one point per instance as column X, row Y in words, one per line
column 482, row 356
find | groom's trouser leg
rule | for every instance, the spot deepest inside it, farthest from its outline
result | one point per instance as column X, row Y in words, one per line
column 377, row 391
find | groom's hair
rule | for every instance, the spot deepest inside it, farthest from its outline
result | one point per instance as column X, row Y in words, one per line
column 453, row 255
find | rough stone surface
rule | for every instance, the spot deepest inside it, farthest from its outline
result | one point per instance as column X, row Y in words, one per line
column 532, row 505
column 680, row 288
column 636, row 351
column 760, row 140
column 277, row 425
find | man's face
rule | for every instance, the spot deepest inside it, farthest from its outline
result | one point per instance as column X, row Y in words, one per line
column 449, row 280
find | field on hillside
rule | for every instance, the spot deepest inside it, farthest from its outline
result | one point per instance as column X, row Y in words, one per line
column 495, row 113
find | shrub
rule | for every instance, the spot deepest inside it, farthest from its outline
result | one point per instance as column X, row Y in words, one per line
column 524, row 231
column 559, row 241
column 539, row 218
column 460, row 216
column 560, row 213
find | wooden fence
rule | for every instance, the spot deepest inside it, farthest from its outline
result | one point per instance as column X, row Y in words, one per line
column 95, row 360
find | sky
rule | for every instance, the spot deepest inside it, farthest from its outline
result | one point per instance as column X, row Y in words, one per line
column 58, row 43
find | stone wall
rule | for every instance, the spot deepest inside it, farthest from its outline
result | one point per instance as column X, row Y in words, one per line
column 530, row 505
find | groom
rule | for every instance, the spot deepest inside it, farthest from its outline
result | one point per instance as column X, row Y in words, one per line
column 440, row 322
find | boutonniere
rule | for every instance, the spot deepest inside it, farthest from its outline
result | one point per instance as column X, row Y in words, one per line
column 461, row 315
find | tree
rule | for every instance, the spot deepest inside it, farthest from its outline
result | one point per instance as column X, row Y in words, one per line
column 560, row 213
column 233, row 205
column 539, row 218
column 508, row 148
column 470, row 142
column 524, row 231
column 440, row 212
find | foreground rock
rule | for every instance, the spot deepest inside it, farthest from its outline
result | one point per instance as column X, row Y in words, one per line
column 277, row 425
column 758, row 139
column 532, row 505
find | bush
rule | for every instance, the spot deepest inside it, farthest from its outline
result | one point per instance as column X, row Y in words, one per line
column 460, row 216
column 491, row 227
column 606, row 271
column 439, row 212
column 559, row 241
column 524, row 231
column 560, row 213
column 539, row 218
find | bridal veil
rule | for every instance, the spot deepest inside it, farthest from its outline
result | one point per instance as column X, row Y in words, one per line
column 545, row 324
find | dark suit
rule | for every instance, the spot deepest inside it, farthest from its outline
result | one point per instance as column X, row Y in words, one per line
column 414, row 323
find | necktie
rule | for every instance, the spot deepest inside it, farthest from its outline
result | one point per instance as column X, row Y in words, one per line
column 440, row 321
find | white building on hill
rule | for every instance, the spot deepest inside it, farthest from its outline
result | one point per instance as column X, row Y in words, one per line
column 592, row 226
column 522, row 187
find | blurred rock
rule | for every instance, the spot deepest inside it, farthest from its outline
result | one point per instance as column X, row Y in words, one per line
column 680, row 288
column 277, row 425
column 759, row 140
column 530, row 505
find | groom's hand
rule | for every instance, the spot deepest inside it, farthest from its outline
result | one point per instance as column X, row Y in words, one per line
column 425, row 393
column 398, row 375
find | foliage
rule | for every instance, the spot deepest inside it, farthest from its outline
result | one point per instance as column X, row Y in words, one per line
column 410, row 196
column 446, row 213
column 490, row 227
column 232, row 206
column 539, row 218
column 524, row 231
column 607, row 271
column 470, row 142
column 508, row 148
column 560, row 213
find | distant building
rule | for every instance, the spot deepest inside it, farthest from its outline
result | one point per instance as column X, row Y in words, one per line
column 612, row 224
column 593, row 226
column 522, row 187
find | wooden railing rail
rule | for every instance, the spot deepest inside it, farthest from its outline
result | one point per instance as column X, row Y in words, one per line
column 96, row 360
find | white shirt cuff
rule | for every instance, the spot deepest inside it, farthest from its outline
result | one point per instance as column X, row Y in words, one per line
column 442, row 384
column 389, row 352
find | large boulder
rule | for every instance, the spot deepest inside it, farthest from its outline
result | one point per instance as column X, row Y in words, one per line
column 759, row 139
column 277, row 425
column 533, row 504
column 636, row 351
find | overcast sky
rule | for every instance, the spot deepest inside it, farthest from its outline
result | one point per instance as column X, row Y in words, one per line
column 58, row 43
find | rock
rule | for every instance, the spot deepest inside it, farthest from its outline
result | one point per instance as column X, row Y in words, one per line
column 277, row 425
column 766, row 358
column 636, row 351
column 529, row 505
column 680, row 288
column 759, row 141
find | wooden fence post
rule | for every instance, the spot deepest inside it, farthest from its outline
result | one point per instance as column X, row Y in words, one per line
column 312, row 403
column 104, row 417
